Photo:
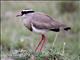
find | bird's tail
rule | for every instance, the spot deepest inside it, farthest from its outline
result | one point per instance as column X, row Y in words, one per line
column 67, row 28
column 58, row 29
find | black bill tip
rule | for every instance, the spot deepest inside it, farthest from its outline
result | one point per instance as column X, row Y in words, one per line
column 18, row 15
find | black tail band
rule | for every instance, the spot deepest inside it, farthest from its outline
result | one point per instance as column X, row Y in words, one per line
column 67, row 28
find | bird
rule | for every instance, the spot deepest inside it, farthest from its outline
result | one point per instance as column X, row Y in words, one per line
column 41, row 23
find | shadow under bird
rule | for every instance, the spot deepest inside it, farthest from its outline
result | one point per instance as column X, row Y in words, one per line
column 41, row 23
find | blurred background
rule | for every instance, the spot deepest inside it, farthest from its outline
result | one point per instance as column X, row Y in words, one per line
column 14, row 36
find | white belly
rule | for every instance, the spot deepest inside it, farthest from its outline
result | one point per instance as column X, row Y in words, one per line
column 40, row 31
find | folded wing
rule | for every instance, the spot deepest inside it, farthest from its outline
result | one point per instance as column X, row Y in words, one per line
column 42, row 21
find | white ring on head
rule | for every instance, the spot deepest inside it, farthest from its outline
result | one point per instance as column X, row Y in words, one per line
column 28, row 10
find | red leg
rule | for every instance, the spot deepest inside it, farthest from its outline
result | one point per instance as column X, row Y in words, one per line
column 39, row 42
column 43, row 43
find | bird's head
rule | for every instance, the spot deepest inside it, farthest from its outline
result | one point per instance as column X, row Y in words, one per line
column 25, row 11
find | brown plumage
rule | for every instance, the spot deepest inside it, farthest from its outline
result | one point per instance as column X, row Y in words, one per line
column 43, row 21
column 40, row 23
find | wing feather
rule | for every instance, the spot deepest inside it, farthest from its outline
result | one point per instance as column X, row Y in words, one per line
column 43, row 21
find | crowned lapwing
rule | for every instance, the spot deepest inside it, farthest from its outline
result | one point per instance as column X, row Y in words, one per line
column 41, row 23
